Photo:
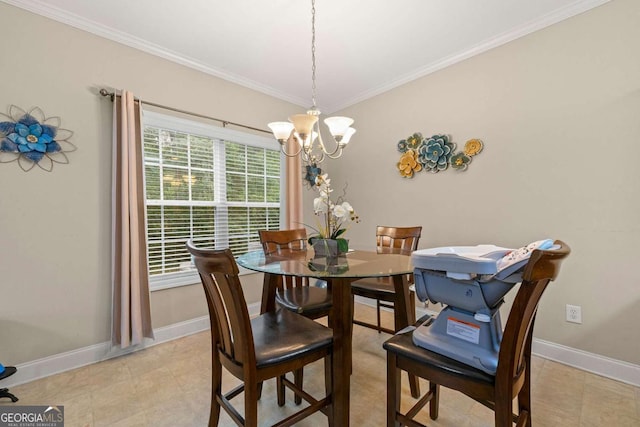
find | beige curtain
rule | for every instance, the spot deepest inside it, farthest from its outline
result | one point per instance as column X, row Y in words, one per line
column 293, row 183
column 131, row 316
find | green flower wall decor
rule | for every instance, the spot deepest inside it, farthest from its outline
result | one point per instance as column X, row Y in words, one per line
column 434, row 154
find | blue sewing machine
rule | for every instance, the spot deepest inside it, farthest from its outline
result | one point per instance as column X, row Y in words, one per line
column 472, row 281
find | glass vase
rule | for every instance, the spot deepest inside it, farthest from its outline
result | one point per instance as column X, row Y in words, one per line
column 330, row 247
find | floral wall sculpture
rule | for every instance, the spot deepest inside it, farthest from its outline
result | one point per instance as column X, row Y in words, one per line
column 311, row 172
column 434, row 154
column 32, row 139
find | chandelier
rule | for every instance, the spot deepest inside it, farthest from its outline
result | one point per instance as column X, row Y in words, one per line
column 305, row 129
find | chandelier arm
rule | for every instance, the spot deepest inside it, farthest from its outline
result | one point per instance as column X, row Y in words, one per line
column 320, row 141
column 284, row 151
column 336, row 153
column 332, row 154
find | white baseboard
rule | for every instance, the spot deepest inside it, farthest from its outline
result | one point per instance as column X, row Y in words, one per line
column 600, row 365
column 30, row 371
column 66, row 361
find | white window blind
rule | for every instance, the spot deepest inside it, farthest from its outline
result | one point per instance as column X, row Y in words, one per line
column 214, row 185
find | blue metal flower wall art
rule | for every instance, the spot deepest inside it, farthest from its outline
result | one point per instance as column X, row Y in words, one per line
column 434, row 154
column 32, row 139
column 312, row 171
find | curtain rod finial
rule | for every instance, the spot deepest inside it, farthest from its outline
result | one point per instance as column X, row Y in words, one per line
column 105, row 92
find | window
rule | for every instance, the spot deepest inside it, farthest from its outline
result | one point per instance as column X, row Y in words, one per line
column 214, row 185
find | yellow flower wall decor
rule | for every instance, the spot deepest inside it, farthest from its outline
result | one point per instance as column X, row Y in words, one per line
column 409, row 164
column 473, row 147
column 434, row 154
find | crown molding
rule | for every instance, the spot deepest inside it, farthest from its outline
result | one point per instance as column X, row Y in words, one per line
column 76, row 21
column 109, row 33
column 561, row 14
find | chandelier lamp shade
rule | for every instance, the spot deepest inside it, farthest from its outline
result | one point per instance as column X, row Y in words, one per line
column 305, row 128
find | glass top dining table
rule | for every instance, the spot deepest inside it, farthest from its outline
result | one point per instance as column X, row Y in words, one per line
column 339, row 272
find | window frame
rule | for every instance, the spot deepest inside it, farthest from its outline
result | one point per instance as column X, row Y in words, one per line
column 194, row 127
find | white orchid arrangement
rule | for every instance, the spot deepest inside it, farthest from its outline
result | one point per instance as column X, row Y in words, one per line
column 333, row 218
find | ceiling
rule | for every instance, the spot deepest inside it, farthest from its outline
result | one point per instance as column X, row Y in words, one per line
column 363, row 47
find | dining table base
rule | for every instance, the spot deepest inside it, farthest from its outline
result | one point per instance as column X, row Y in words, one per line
column 355, row 265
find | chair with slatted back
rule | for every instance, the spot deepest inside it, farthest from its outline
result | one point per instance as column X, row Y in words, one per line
column 295, row 294
column 513, row 375
column 381, row 289
column 254, row 350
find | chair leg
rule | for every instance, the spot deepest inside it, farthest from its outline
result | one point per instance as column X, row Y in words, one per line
column 251, row 404
column 414, row 381
column 434, row 389
column 353, row 307
column 402, row 319
column 414, row 385
column 524, row 404
column 412, row 305
column 298, row 376
column 393, row 390
column 216, row 390
column 504, row 413
column 378, row 315
column 280, row 390
column 524, row 396
column 328, row 385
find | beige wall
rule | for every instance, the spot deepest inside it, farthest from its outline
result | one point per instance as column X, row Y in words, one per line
column 559, row 112
column 55, row 227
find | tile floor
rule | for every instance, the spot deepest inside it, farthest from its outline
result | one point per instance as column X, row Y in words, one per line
column 169, row 385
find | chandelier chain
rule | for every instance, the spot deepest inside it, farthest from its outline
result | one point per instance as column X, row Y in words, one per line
column 313, row 53
column 304, row 128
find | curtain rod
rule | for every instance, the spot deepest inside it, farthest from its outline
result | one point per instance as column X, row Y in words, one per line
column 112, row 95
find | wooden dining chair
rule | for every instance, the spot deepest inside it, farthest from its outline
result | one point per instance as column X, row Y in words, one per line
column 295, row 293
column 254, row 350
column 513, row 375
column 381, row 289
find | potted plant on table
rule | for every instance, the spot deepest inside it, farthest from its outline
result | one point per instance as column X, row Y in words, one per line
column 333, row 219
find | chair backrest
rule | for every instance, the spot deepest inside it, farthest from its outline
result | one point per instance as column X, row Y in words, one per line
column 230, row 323
column 404, row 238
column 543, row 267
column 277, row 241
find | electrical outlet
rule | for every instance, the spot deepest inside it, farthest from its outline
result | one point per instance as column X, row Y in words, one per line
column 574, row 313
